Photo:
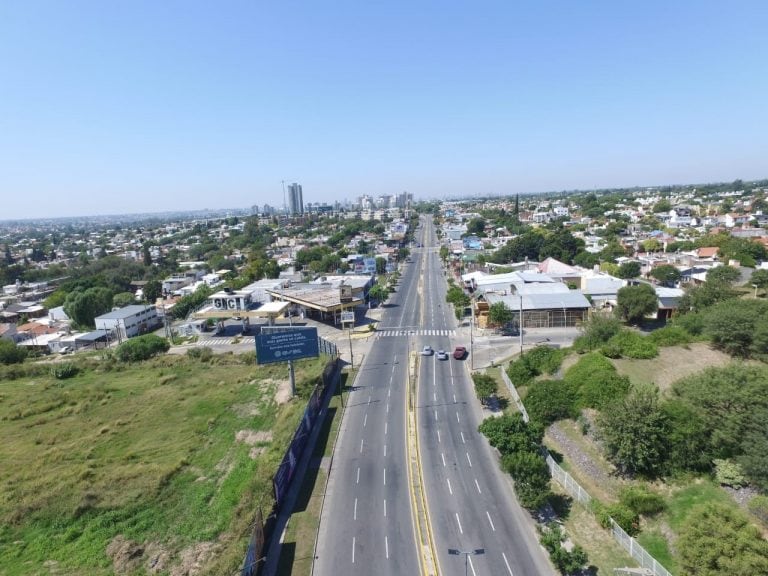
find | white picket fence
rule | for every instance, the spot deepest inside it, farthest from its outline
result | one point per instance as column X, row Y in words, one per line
column 582, row 496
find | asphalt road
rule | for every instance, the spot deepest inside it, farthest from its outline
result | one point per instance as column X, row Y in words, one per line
column 366, row 525
column 470, row 500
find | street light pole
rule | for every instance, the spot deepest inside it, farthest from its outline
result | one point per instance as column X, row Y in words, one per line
column 351, row 357
column 466, row 554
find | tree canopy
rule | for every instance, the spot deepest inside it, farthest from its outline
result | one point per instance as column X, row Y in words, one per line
column 636, row 302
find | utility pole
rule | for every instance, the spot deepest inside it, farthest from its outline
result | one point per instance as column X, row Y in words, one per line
column 351, row 356
column 292, row 378
column 520, row 327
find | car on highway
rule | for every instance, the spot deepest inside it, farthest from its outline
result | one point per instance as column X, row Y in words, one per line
column 442, row 355
column 426, row 351
column 459, row 353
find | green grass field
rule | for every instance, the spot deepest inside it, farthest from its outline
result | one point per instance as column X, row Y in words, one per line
column 144, row 457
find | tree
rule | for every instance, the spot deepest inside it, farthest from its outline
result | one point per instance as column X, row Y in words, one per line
column 82, row 306
column 476, row 226
column 760, row 278
column 636, row 302
column 531, row 476
column 509, row 433
column 378, row 293
column 152, row 291
column 666, row 274
column 732, row 326
column 629, row 270
column 485, row 386
column 444, row 253
column 723, row 274
column 651, row 245
column 10, row 353
column 662, row 205
column 634, row 431
column 123, row 299
column 499, row 314
column 141, row 348
column 381, row 264
column 717, row 539
column 597, row 330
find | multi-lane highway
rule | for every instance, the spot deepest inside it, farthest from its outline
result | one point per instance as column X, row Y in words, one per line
column 367, row 523
column 470, row 500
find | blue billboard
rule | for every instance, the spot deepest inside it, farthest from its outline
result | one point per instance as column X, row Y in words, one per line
column 291, row 344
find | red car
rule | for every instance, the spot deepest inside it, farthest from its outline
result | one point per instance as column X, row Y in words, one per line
column 460, row 353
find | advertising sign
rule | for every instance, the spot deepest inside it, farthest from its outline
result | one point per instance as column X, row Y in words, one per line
column 291, row 344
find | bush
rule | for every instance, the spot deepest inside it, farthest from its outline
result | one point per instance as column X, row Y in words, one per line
column 566, row 562
column 510, row 433
column 673, row 335
column 597, row 331
column 602, row 388
column 641, row 500
column 729, row 473
column 758, row 505
column 63, row 371
column 485, row 386
column 544, row 359
column 551, row 400
column 10, row 353
column 520, row 372
column 588, row 364
column 141, row 348
column 621, row 514
column 202, row 353
column 692, row 323
column 634, row 345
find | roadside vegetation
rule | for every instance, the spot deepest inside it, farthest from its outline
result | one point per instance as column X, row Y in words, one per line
column 140, row 467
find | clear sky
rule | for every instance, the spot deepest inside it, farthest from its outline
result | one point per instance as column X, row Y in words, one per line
column 133, row 106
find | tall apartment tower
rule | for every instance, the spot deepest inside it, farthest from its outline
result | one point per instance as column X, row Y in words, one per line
column 295, row 199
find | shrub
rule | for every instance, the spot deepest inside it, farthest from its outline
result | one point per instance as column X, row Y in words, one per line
column 544, row 359
column 692, row 323
column 485, row 386
column 758, row 505
column 567, row 562
column 588, row 364
column 551, row 400
column 10, row 353
column 520, row 372
column 641, row 500
column 602, row 388
column 673, row 335
column 63, row 371
column 202, row 353
column 729, row 473
column 621, row 514
column 141, row 348
column 597, row 331
column 510, row 433
column 634, row 345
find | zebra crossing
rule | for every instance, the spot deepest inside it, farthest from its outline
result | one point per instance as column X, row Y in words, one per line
column 216, row 341
column 426, row 332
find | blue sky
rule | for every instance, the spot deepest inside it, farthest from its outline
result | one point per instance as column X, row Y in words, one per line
column 132, row 106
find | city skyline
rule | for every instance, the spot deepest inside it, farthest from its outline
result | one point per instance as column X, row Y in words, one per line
column 147, row 108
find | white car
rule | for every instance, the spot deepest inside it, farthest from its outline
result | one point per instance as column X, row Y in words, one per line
column 426, row 351
column 442, row 355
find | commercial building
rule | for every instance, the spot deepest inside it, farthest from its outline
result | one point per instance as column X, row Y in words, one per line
column 129, row 321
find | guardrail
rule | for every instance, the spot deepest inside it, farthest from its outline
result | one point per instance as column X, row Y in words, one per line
column 575, row 490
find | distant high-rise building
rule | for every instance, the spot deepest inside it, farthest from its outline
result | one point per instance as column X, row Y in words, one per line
column 295, row 199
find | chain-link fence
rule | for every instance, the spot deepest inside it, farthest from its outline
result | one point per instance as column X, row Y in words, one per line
column 582, row 496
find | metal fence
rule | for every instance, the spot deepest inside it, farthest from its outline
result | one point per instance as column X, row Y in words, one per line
column 582, row 496
column 281, row 481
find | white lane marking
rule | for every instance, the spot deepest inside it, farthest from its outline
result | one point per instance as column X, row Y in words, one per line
column 389, row 392
column 472, row 566
column 385, row 476
column 358, row 475
column 468, row 460
column 387, row 407
column 461, row 530
column 394, row 360
column 365, row 420
column 443, row 457
column 435, row 415
column 462, row 438
column 354, row 514
column 385, row 508
column 385, row 450
column 386, row 547
column 454, row 398
column 478, row 487
column 361, row 444
column 507, row 563
column 490, row 521
column 434, row 396
column 353, row 549
column 449, row 485
column 438, row 436
column 385, row 427
column 457, row 418
column 369, row 399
